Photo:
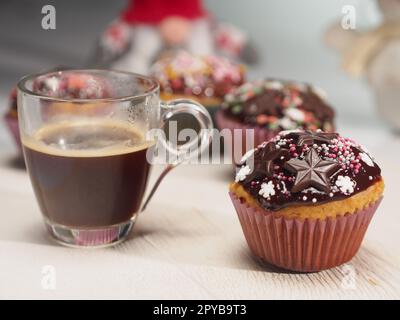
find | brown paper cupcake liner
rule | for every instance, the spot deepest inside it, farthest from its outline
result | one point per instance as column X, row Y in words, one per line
column 303, row 245
column 238, row 147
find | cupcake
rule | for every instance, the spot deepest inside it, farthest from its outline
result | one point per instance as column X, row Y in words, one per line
column 62, row 84
column 305, row 199
column 69, row 84
column 270, row 106
column 205, row 79
column 11, row 118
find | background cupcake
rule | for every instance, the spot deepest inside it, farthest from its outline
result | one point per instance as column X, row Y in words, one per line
column 66, row 84
column 270, row 106
column 206, row 79
column 73, row 85
column 305, row 199
column 11, row 118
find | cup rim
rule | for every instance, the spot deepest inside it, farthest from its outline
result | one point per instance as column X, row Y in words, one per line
column 154, row 86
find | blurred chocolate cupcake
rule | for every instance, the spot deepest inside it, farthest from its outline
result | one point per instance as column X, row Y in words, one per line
column 62, row 84
column 269, row 106
column 305, row 199
column 205, row 79
column 71, row 84
column 11, row 118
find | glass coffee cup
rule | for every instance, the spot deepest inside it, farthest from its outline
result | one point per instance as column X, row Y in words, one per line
column 87, row 149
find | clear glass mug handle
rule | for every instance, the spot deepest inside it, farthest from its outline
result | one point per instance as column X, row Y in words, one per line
column 203, row 139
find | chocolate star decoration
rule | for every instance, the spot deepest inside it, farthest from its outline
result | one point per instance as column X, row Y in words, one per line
column 309, row 137
column 264, row 161
column 312, row 172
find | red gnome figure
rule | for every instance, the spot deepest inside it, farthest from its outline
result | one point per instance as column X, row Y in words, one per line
column 160, row 23
column 146, row 28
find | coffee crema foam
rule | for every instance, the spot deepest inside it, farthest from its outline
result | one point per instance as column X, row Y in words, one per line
column 87, row 139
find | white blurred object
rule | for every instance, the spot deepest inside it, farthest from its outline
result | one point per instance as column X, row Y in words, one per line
column 368, row 14
column 374, row 53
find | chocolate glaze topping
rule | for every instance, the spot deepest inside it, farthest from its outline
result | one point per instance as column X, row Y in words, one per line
column 306, row 168
column 279, row 105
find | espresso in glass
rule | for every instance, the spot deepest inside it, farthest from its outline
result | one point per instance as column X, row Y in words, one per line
column 88, row 174
column 88, row 138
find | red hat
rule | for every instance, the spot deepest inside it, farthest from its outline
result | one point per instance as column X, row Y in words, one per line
column 154, row 11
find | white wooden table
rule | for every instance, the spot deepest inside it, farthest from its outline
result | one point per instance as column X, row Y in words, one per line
column 188, row 244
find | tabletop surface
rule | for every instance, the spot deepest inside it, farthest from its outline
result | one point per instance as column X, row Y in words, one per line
column 188, row 244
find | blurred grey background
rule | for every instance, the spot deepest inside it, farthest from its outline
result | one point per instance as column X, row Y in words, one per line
column 287, row 33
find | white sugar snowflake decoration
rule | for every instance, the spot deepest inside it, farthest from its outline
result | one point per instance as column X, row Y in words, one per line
column 287, row 123
column 345, row 184
column 267, row 189
column 242, row 173
column 366, row 159
column 274, row 85
column 295, row 114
